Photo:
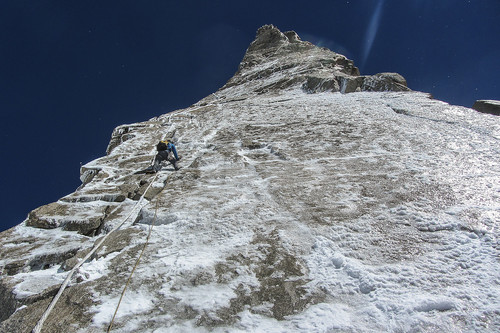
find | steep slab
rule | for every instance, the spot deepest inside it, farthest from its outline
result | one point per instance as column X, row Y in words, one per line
column 295, row 210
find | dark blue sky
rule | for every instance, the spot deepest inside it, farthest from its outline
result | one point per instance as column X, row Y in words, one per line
column 71, row 71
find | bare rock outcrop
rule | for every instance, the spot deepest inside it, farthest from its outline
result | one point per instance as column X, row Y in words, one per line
column 285, row 61
column 487, row 106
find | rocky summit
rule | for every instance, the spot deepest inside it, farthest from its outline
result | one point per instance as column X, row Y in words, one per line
column 310, row 199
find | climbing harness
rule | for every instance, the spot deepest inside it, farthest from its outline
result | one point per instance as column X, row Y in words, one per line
column 45, row 315
column 133, row 269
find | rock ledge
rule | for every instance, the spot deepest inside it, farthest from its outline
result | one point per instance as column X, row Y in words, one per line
column 487, row 106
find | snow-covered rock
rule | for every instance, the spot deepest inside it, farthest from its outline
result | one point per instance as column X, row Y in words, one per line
column 276, row 61
column 299, row 208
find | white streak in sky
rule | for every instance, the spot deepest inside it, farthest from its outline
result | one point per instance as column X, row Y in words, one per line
column 371, row 32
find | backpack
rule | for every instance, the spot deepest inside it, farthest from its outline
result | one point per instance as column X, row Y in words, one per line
column 162, row 145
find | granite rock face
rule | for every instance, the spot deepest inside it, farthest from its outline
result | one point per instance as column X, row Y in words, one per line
column 487, row 106
column 299, row 207
column 284, row 60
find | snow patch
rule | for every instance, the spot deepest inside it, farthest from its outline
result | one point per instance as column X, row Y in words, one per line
column 135, row 302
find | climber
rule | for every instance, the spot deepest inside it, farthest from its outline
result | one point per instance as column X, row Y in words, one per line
column 166, row 152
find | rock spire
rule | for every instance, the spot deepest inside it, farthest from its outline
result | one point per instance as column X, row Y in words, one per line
column 310, row 199
column 284, row 60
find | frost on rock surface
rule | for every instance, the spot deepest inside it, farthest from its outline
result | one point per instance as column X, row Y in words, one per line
column 299, row 208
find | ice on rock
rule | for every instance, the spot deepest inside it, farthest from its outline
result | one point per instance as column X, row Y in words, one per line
column 298, row 208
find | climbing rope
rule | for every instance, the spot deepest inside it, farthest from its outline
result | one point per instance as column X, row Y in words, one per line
column 46, row 314
column 133, row 269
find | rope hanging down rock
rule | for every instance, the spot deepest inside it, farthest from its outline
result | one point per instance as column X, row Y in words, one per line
column 45, row 315
column 133, row 269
